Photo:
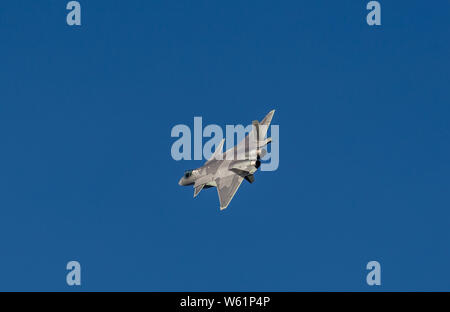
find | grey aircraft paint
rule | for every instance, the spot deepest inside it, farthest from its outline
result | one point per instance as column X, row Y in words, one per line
column 226, row 171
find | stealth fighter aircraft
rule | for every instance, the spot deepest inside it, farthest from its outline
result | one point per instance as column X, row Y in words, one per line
column 226, row 171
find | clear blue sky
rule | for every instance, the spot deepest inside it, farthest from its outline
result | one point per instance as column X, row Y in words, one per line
column 85, row 166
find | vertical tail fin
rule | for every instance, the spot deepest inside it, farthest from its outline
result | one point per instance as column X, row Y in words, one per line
column 217, row 152
column 260, row 130
column 263, row 126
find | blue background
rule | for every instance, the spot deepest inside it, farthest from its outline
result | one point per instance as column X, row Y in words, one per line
column 85, row 166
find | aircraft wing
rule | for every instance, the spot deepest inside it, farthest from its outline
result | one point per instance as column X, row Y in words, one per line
column 227, row 187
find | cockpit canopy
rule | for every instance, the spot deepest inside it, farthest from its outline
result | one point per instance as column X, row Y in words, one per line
column 188, row 173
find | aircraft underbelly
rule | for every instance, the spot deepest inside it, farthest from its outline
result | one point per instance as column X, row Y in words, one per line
column 211, row 184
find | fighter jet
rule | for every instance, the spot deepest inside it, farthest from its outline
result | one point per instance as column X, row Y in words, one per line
column 227, row 170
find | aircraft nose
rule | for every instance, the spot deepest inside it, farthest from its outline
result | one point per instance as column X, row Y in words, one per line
column 180, row 182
